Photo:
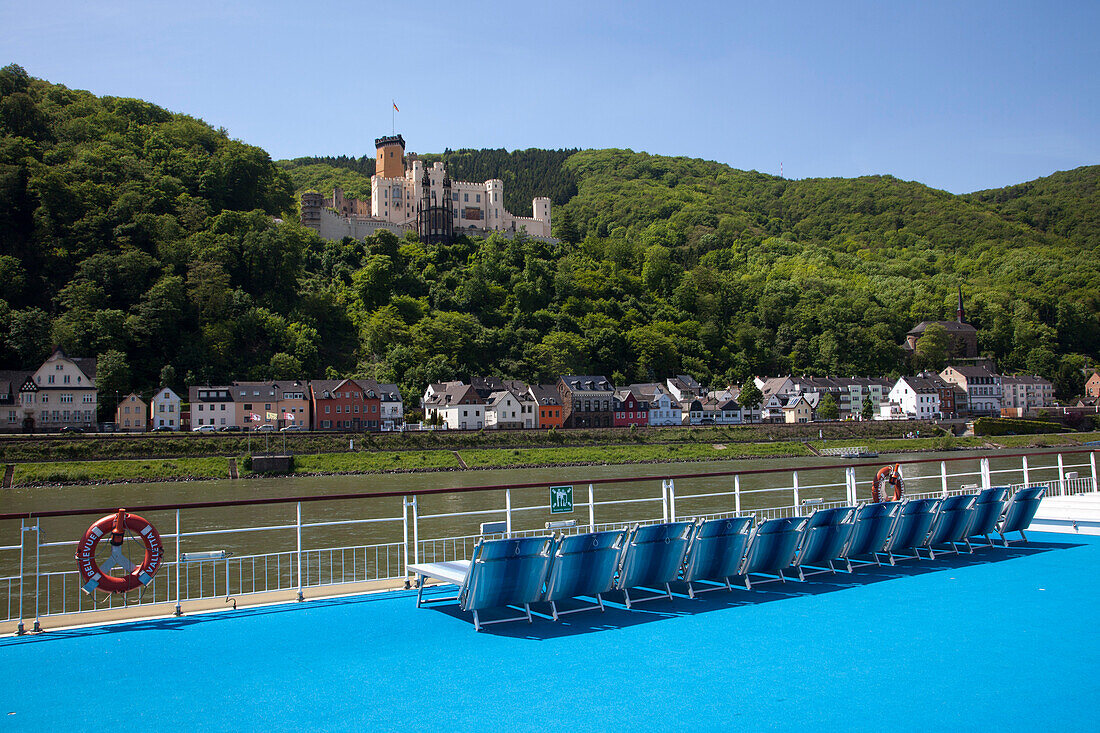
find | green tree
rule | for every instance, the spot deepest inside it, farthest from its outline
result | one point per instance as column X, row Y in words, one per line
column 868, row 411
column 828, row 409
column 112, row 378
column 932, row 348
column 750, row 397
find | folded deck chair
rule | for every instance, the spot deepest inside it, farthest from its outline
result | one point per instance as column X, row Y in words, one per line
column 584, row 565
column 500, row 573
column 716, row 552
column 772, row 547
column 1020, row 511
column 872, row 526
column 911, row 528
column 824, row 538
column 952, row 523
column 988, row 508
column 652, row 559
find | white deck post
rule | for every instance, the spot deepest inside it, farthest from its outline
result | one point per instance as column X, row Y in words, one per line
column 1027, row 474
column 737, row 494
column 37, row 573
column 591, row 509
column 943, row 478
column 853, row 486
column 299, row 525
column 664, row 500
column 796, row 504
column 22, row 531
column 508, row 512
column 179, row 610
column 1092, row 460
column 416, row 531
column 671, row 500
column 985, row 473
column 1061, row 475
column 405, row 531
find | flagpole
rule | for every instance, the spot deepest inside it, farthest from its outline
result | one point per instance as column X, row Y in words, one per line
column 393, row 117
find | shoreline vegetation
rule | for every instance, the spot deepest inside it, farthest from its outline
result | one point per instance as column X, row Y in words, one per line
column 479, row 451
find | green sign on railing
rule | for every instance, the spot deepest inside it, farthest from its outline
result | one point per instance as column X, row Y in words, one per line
column 561, row 499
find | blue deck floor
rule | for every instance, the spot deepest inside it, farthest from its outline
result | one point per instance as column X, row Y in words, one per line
column 1002, row 639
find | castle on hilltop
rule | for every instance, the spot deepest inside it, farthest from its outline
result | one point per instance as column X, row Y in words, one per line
column 420, row 199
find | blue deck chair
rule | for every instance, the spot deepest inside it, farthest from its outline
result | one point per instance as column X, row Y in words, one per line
column 988, row 509
column 500, row 573
column 584, row 565
column 653, row 557
column 952, row 523
column 1020, row 511
column 911, row 528
column 872, row 526
column 772, row 547
column 716, row 552
column 824, row 538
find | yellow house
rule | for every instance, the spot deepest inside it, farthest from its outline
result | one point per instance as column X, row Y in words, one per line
column 132, row 414
column 798, row 410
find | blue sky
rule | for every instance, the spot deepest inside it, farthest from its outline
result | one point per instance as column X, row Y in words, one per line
column 958, row 95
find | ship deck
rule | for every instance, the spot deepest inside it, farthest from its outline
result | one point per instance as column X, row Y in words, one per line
column 1004, row 638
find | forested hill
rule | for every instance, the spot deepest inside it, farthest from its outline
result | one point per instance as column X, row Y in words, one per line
column 526, row 173
column 151, row 240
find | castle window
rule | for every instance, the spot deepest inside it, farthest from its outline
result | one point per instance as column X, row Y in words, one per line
column 479, row 198
column 466, row 197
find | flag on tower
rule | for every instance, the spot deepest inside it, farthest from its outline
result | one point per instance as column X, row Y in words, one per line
column 395, row 109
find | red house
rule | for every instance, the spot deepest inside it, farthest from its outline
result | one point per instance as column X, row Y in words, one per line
column 629, row 410
column 343, row 404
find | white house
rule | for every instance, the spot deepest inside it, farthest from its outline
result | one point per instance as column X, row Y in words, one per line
column 510, row 410
column 663, row 408
column 164, row 409
column 457, row 405
column 918, row 397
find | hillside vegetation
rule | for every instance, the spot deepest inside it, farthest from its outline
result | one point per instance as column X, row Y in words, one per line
column 151, row 240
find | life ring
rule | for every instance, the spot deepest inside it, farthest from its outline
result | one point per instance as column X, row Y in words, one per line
column 115, row 526
column 891, row 476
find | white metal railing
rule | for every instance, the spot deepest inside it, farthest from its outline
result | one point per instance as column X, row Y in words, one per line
column 35, row 586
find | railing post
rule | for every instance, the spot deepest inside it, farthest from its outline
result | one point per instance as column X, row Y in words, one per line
column 1061, row 476
column 591, row 509
column 508, row 512
column 1092, row 460
column 943, row 477
column 671, row 500
column 405, row 534
column 416, row 531
column 37, row 572
column 1027, row 474
column 850, row 485
column 796, row 504
column 301, row 597
column 179, row 595
column 20, row 630
column 664, row 500
column 737, row 494
column 985, row 473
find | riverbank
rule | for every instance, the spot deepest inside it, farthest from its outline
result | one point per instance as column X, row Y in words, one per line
column 362, row 461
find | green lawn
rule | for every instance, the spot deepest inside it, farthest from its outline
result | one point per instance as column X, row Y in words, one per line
column 82, row 472
column 513, row 457
column 362, row 462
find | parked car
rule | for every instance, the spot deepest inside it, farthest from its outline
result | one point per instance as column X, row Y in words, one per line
column 72, row 429
column 204, row 429
column 162, row 429
column 229, row 429
column 293, row 429
column 266, row 428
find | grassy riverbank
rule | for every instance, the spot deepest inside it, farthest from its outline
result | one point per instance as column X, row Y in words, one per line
column 366, row 461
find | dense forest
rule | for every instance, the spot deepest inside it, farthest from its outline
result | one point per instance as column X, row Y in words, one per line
column 171, row 252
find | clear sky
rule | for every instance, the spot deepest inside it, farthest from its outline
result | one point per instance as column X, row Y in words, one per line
column 959, row 95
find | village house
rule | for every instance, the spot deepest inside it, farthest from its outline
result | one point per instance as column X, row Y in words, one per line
column 59, row 395
column 586, row 401
column 1092, row 385
column 1025, row 392
column 664, row 410
column 548, row 400
column 456, row 405
column 132, row 414
column 278, row 404
column 630, row 410
column 684, row 387
column 343, row 404
column 508, row 410
column 164, row 409
column 982, row 387
column 918, row 397
column 212, row 405
column 798, row 409
column 392, row 409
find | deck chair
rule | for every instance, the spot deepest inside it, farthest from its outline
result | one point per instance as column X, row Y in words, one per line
column 870, row 529
column 499, row 573
column 988, row 508
column 824, row 538
column 653, row 556
column 1020, row 511
column 911, row 528
column 952, row 523
column 716, row 552
column 583, row 565
column 772, row 547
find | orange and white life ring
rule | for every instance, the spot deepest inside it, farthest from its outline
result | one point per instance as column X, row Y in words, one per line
column 891, row 476
column 115, row 526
